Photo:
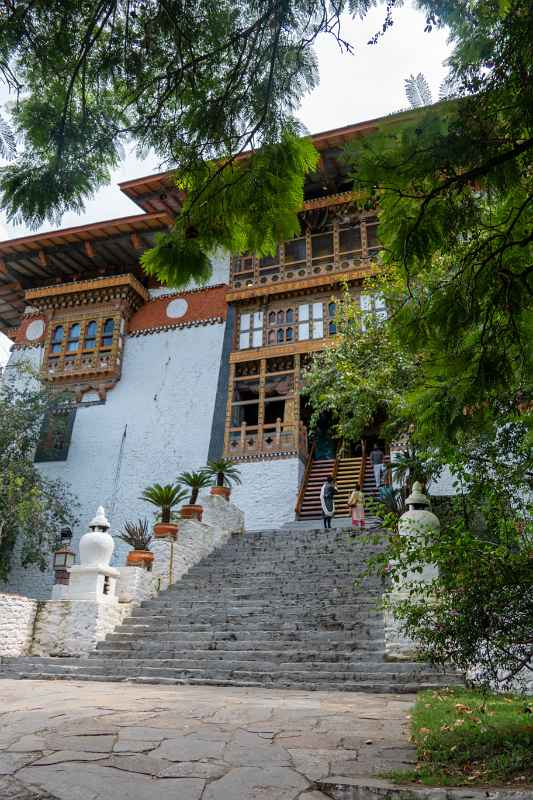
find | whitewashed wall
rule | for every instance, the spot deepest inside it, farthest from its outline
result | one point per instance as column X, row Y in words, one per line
column 268, row 492
column 65, row 628
column 17, row 617
column 164, row 404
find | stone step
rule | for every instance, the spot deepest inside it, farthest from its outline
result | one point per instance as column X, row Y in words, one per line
column 311, row 637
column 245, row 606
column 374, row 687
column 269, row 622
column 275, row 655
column 205, row 640
column 266, row 676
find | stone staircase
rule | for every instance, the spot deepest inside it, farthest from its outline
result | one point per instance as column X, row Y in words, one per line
column 273, row 609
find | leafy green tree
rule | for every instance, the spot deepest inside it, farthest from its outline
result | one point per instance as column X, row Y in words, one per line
column 198, row 83
column 362, row 375
column 454, row 188
column 477, row 612
column 33, row 508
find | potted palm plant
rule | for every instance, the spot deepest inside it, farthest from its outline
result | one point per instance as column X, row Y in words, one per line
column 194, row 481
column 224, row 473
column 165, row 498
column 138, row 536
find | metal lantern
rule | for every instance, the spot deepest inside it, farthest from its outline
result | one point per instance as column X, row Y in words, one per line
column 63, row 559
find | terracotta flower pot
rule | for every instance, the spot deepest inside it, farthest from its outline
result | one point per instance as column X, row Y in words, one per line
column 140, row 558
column 164, row 530
column 192, row 512
column 221, row 491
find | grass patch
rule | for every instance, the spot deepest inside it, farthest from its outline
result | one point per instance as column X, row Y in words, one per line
column 464, row 737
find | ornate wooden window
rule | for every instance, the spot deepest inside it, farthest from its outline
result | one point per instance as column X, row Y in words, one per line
column 290, row 323
column 86, row 321
column 56, row 343
column 89, row 341
column 90, row 346
column 334, row 241
column 107, row 333
column 263, row 408
column 311, row 321
column 73, row 341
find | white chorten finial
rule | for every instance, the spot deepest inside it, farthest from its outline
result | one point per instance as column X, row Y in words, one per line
column 100, row 520
column 417, row 497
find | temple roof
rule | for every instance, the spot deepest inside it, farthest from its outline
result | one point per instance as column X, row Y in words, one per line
column 71, row 254
column 159, row 193
column 114, row 246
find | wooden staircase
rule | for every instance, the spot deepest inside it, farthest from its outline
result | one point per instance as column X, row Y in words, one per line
column 346, row 472
column 309, row 502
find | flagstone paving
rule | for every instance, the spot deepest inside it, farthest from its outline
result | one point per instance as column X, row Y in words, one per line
column 62, row 740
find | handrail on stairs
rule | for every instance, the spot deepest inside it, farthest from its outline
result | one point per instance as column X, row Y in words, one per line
column 303, row 484
column 362, row 468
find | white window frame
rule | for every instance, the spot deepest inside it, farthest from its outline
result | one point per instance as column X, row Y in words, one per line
column 311, row 321
column 372, row 304
column 250, row 330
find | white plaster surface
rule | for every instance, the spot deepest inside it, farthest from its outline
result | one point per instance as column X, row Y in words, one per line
column 177, row 308
column 398, row 646
column 35, row 330
column 17, row 615
column 65, row 628
column 268, row 492
column 155, row 423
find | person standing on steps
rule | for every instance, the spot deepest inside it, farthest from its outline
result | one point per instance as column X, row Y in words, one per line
column 376, row 459
column 356, row 501
column 327, row 501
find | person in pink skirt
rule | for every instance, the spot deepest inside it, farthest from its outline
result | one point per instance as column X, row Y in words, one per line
column 356, row 501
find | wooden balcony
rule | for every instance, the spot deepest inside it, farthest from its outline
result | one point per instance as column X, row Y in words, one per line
column 267, row 441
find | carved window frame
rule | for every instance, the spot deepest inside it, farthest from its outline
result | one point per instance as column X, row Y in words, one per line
column 102, row 355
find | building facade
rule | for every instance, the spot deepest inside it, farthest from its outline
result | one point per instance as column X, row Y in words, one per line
column 159, row 381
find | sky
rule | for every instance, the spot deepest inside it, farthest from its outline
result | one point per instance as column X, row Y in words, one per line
column 353, row 88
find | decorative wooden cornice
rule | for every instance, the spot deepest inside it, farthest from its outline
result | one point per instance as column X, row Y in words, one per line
column 275, row 351
column 299, row 286
column 331, row 200
column 76, row 287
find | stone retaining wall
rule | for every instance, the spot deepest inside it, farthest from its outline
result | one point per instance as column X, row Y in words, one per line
column 73, row 628
column 195, row 539
column 17, row 616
